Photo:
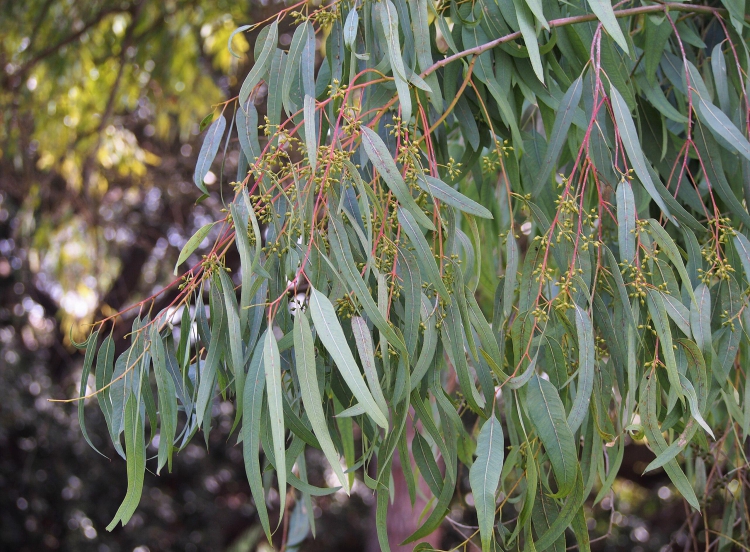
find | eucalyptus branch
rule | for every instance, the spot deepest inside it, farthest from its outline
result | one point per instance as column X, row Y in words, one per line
column 393, row 214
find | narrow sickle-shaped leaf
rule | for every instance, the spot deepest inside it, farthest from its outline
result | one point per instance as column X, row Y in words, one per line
column 484, row 476
column 559, row 134
column 192, row 244
column 626, row 221
column 261, row 64
column 442, row 192
column 208, row 152
column 526, row 24
column 241, row 29
column 88, row 362
column 311, row 140
column 253, row 405
column 332, row 336
column 135, row 450
column 546, row 412
column 367, row 356
column 423, row 252
column 586, row 360
column 630, row 141
column 272, row 366
column 604, row 12
column 661, row 325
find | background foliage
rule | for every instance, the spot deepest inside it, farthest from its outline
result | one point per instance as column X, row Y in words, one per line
column 619, row 313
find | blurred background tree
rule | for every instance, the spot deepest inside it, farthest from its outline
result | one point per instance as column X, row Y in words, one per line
column 101, row 103
column 100, row 106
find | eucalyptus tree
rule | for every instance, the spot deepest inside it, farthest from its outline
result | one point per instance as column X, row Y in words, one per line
column 517, row 226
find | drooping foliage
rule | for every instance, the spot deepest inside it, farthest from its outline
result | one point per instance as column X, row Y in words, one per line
column 518, row 226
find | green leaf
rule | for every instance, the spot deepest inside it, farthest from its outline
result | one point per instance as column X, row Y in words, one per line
column 559, row 134
column 366, row 354
column 614, row 469
column 339, row 241
column 484, row 476
column 274, row 106
column 604, row 12
column 661, row 325
column 438, row 513
column 211, row 364
column 655, row 95
column 207, row 120
column 571, row 509
column 292, row 69
column 488, row 345
column 536, row 8
column 411, row 277
column 104, row 364
column 425, row 258
column 389, row 20
column 453, row 339
column 657, row 34
column 544, row 514
column 293, row 421
column 656, row 441
column 135, row 450
column 262, row 63
column 692, row 399
column 722, row 126
column 632, row 146
column 208, row 152
column 546, row 412
column 678, row 312
column 742, row 244
column 532, row 480
column 473, row 36
column 670, row 250
column 255, row 266
column 511, row 274
column 253, row 404
column 712, row 165
column 352, row 411
column 586, row 359
column 526, row 24
column 307, row 66
column 427, row 465
column 234, row 334
column 521, row 380
column 350, row 29
column 381, row 159
column 167, row 399
column 530, row 288
column 626, row 214
column 330, row 333
column 272, row 366
column 719, row 69
column 247, row 131
column 246, row 261
column 429, row 343
column 119, row 391
column 420, row 23
column 311, row 140
column 192, row 244
column 241, row 29
column 467, row 122
column 700, row 321
column 88, row 361
column 442, row 192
